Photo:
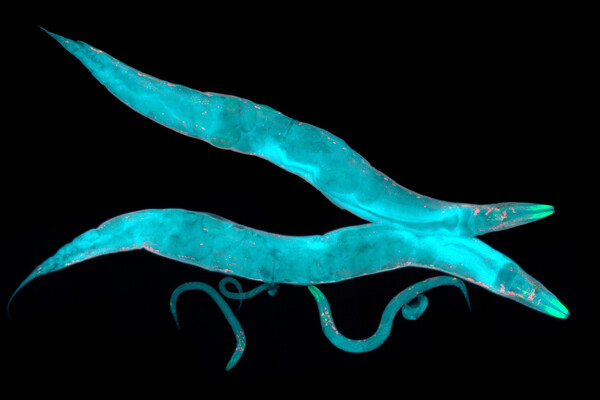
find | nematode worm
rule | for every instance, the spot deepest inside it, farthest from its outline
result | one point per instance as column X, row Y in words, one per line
column 406, row 229
column 321, row 158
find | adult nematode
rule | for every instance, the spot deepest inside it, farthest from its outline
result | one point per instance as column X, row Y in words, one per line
column 405, row 229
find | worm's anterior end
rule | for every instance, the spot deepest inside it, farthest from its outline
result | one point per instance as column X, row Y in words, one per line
column 497, row 217
column 556, row 309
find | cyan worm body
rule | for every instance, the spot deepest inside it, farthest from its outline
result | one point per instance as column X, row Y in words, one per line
column 408, row 229
column 321, row 158
column 216, row 244
column 238, row 331
column 400, row 301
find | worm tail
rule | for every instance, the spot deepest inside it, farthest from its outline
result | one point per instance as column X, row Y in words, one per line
column 238, row 331
column 123, row 233
column 216, row 118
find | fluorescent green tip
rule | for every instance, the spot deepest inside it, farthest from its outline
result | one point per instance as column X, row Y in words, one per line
column 560, row 311
column 237, row 354
column 553, row 307
column 497, row 217
column 539, row 211
column 557, row 314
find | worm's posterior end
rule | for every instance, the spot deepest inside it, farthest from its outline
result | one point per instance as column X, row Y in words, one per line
column 56, row 37
column 25, row 282
column 173, row 308
column 72, row 46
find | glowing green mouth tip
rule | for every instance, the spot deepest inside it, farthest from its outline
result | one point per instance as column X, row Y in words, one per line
column 540, row 211
column 558, row 310
column 552, row 306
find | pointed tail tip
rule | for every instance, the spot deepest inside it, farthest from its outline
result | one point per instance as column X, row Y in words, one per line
column 31, row 276
column 12, row 297
column 71, row 46
column 10, row 301
column 54, row 35
column 8, row 309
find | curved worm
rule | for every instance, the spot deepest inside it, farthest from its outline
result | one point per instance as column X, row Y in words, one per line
column 416, row 306
column 225, row 292
column 238, row 331
column 241, row 295
column 387, row 318
column 324, row 160
column 217, row 244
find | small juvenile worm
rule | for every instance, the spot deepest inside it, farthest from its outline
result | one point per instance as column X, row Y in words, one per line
column 324, row 160
column 400, row 301
column 238, row 331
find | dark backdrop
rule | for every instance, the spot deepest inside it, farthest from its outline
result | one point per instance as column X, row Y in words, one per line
column 473, row 110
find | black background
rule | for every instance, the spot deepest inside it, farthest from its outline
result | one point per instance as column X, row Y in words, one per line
column 475, row 110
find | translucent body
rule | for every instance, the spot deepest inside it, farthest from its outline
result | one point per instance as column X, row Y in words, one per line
column 238, row 331
column 400, row 301
column 409, row 229
column 321, row 158
column 219, row 245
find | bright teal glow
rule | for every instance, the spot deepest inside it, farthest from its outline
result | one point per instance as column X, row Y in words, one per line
column 401, row 300
column 229, row 315
column 324, row 160
column 217, row 244
column 407, row 229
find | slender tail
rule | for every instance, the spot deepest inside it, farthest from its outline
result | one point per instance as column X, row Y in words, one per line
column 116, row 235
column 238, row 331
column 185, row 110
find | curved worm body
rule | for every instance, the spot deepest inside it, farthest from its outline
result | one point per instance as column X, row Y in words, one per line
column 216, row 244
column 238, row 331
column 400, row 301
column 319, row 157
column 408, row 230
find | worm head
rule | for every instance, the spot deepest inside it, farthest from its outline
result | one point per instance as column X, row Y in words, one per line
column 512, row 282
